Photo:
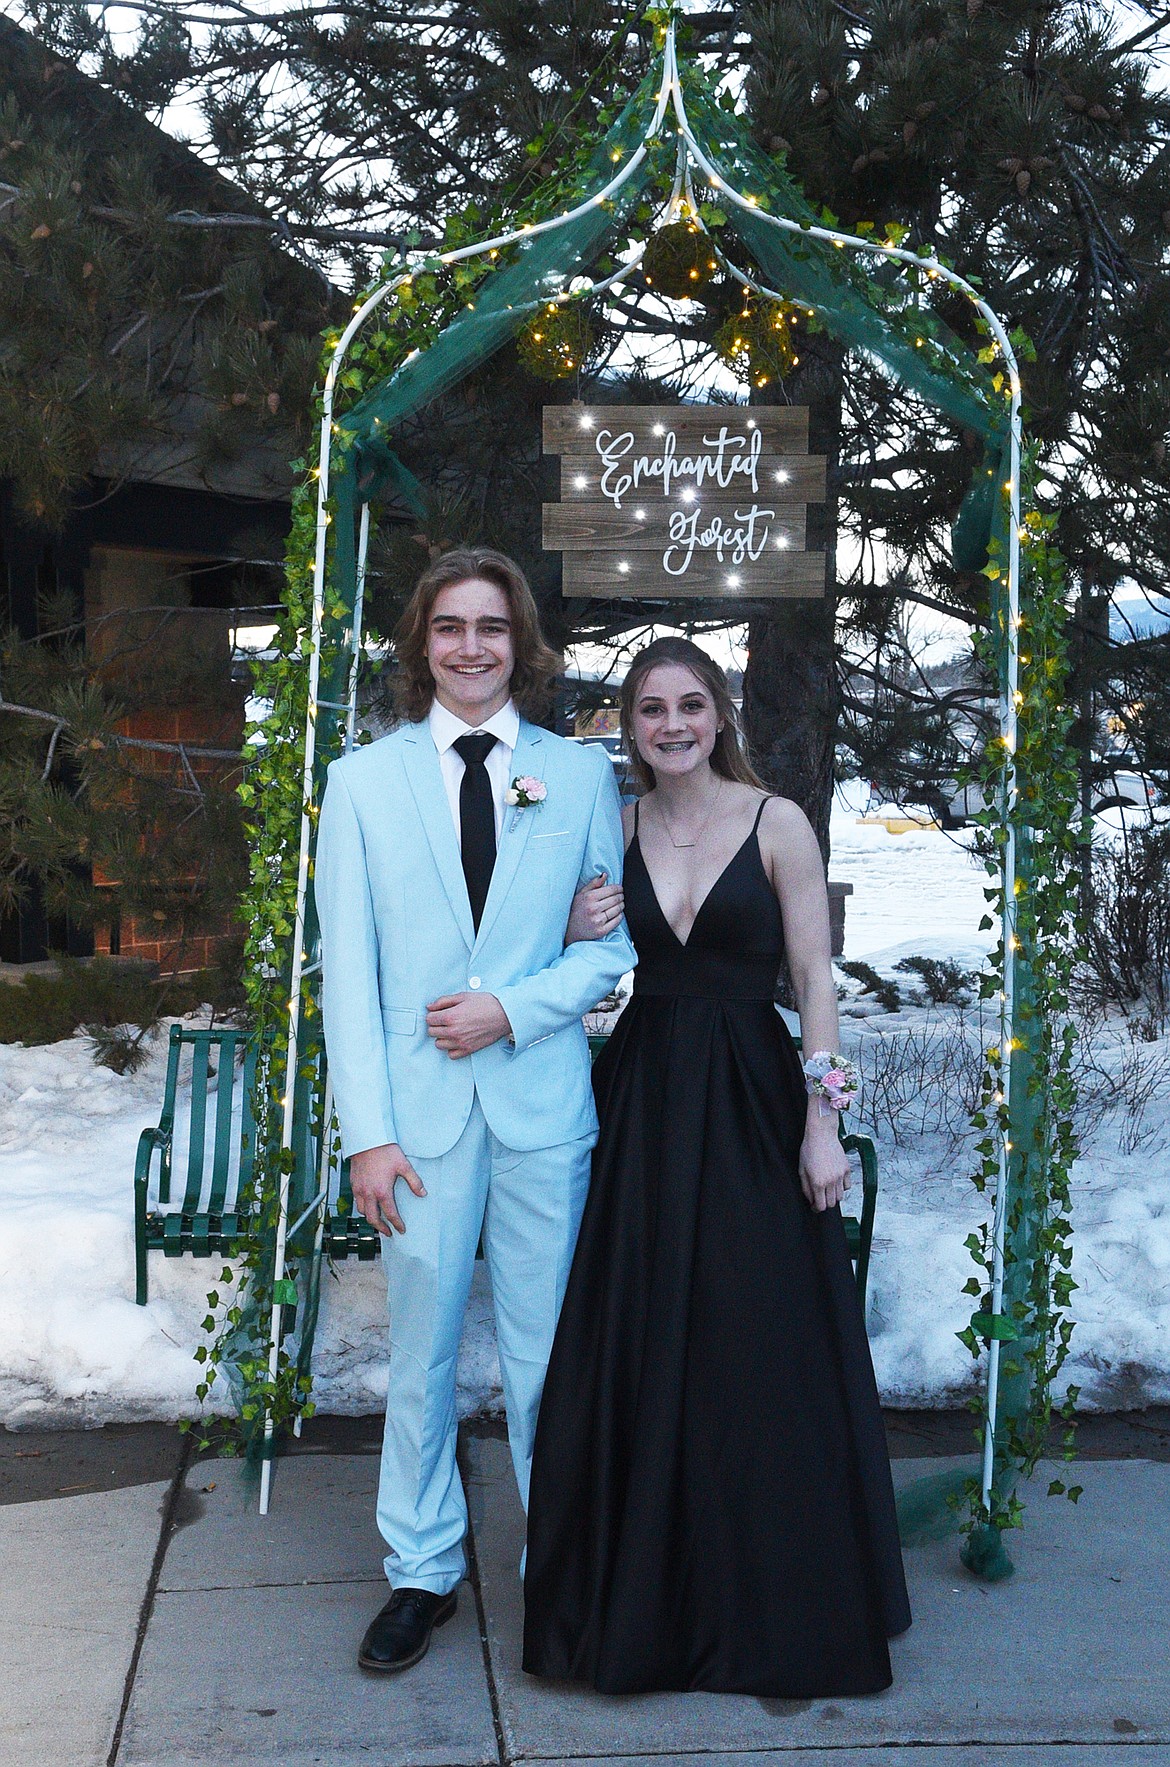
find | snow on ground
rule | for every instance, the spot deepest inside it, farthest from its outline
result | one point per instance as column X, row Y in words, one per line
column 74, row 1348
column 918, row 886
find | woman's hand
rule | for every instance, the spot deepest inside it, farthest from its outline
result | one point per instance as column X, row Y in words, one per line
column 597, row 909
column 824, row 1166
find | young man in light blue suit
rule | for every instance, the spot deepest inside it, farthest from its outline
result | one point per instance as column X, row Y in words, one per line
column 453, row 993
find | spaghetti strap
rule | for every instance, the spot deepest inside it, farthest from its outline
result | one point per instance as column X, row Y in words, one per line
column 637, row 807
column 759, row 813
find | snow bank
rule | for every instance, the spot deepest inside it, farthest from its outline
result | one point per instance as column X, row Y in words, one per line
column 74, row 1348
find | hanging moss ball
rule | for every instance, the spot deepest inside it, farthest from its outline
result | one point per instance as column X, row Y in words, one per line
column 555, row 342
column 679, row 261
column 757, row 344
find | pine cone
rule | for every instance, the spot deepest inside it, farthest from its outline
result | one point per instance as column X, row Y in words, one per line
column 1023, row 181
column 1075, row 102
column 909, row 131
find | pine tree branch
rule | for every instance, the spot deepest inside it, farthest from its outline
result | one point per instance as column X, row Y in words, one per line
column 1143, row 36
column 182, row 749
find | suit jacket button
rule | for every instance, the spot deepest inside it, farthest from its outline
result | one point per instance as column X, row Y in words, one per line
column 473, row 981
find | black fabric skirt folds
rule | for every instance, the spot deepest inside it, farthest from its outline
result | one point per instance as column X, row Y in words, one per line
column 711, row 1503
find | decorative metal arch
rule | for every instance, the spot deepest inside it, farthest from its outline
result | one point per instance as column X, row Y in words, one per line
column 692, row 158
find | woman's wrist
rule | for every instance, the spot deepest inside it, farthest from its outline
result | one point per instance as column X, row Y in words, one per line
column 832, row 1082
column 818, row 1127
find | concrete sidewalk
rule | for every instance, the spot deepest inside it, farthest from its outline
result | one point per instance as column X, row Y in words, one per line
column 159, row 1621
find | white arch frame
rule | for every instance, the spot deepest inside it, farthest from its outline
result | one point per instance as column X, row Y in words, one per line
column 670, row 95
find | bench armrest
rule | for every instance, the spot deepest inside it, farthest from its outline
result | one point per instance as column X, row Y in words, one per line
column 148, row 1141
column 863, row 1147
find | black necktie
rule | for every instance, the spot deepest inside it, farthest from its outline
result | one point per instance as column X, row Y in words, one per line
column 477, row 818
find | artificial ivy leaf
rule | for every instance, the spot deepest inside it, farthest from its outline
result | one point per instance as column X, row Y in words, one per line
column 995, row 1326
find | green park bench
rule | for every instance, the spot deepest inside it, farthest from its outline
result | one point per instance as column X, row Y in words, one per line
column 213, row 1152
column 216, row 1145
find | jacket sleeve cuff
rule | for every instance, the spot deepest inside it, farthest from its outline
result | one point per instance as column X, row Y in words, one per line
column 523, row 1032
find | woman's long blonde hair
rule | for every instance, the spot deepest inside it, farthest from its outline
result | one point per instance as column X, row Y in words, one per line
column 729, row 756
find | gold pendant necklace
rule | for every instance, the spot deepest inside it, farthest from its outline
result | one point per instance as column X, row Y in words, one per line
column 702, row 829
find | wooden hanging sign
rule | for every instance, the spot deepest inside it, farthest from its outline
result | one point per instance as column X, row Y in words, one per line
column 660, row 502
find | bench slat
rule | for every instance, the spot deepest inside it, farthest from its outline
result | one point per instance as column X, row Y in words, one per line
column 222, row 1153
column 248, row 1119
column 196, row 1151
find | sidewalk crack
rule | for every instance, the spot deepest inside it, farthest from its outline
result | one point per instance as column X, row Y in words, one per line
column 485, row 1646
column 169, row 1508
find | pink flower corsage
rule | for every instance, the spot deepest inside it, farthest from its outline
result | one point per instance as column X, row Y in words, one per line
column 832, row 1080
column 526, row 790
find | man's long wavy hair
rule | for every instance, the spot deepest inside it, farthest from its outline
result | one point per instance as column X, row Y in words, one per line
column 729, row 756
column 536, row 664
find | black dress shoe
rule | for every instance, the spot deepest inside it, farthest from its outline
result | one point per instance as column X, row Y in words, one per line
column 401, row 1633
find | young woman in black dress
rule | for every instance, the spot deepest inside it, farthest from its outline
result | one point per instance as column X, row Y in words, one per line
column 711, row 1505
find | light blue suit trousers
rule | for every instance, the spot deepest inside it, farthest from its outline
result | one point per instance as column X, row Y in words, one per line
column 501, row 1139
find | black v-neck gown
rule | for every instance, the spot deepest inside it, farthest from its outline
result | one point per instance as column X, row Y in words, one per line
column 711, row 1505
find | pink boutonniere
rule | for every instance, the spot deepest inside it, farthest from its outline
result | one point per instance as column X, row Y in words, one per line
column 525, row 791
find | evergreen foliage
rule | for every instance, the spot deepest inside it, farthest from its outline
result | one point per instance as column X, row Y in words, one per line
column 127, row 327
column 113, row 827
column 139, row 330
column 1027, row 143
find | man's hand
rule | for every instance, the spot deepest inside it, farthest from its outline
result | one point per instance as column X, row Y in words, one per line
column 463, row 1023
column 372, row 1176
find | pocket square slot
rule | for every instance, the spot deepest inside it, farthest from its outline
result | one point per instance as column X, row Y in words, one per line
column 552, row 834
column 400, row 1019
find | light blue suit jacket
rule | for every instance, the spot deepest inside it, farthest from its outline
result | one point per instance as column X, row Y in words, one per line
column 397, row 933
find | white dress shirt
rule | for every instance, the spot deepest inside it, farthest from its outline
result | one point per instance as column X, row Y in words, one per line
column 446, row 728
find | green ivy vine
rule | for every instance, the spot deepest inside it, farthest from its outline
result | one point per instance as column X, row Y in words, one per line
column 431, row 295
column 1035, row 1328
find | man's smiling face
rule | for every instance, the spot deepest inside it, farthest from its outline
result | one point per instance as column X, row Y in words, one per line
column 469, row 649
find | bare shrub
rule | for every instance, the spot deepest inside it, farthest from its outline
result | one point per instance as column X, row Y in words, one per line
column 1128, row 935
column 1141, row 1080
column 924, row 1077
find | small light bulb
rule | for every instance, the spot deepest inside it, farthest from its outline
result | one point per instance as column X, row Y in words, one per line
column 639, row 515
column 623, row 567
column 751, row 423
column 781, row 478
column 782, row 542
column 687, row 496
column 586, row 422
column 733, row 582
column 659, row 429
column 580, row 482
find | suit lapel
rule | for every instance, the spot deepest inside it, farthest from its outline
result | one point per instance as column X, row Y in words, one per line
column 421, row 760
column 529, row 756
